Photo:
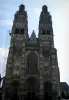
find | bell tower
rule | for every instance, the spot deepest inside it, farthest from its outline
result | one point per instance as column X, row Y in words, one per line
column 15, row 61
column 49, row 52
column 19, row 36
column 45, row 26
column 45, row 22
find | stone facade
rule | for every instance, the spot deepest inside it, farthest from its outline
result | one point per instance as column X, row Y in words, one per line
column 32, row 66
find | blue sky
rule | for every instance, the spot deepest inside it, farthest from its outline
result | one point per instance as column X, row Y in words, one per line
column 59, row 9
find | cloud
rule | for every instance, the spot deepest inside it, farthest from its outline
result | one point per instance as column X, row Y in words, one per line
column 4, row 13
column 7, row 22
column 3, row 52
column 3, row 60
column 61, row 23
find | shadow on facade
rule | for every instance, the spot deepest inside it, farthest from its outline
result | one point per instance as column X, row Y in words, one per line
column 31, row 88
column 47, row 91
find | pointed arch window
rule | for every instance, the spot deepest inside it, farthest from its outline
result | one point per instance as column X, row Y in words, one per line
column 44, row 32
column 32, row 63
column 22, row 31
column 48, row 32
column 16, row 31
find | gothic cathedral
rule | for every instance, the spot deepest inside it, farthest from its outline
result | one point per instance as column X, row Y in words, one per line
column 32, row 68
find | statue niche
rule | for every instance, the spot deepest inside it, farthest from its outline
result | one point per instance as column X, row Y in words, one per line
column 32, row 63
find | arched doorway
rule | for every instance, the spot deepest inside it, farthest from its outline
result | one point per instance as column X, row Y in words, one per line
column 32, row 63
column 31, row 87
column 47, row 90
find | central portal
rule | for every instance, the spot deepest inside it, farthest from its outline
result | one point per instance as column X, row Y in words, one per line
column 31, row 88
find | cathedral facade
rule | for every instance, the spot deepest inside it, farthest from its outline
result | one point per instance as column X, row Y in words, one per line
column 32, row 67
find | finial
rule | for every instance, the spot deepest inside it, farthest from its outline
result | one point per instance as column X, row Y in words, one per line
column 44, row 8
column 21, row 8
column 33, row 31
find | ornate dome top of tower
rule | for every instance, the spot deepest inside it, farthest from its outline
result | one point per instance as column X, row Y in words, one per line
column 44, row 8
column 21, row 8
column 21, row 12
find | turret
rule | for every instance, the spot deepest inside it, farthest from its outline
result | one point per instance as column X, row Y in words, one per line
column 20, row 23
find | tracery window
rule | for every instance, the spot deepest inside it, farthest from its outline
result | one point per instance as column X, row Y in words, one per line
column 32, row 63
